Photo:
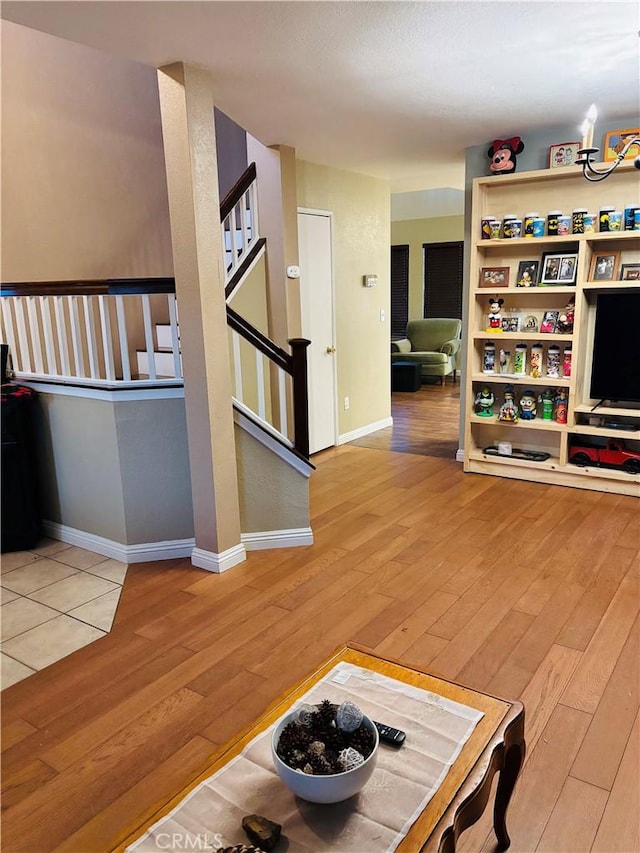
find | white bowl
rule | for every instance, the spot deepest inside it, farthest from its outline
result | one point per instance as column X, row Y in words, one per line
column 324, row 789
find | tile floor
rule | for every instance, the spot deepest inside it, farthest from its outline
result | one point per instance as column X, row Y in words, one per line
column 55, row 599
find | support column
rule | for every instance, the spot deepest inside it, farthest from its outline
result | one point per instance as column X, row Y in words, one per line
column 186, row 104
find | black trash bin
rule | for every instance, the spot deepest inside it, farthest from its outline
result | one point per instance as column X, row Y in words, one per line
column 20, row 509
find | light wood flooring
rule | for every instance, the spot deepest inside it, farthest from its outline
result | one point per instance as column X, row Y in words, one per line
column 517, row 589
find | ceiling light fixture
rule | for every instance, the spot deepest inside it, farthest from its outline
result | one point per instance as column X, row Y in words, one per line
column 585, row 154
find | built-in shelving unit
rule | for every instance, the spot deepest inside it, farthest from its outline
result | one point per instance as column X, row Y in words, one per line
column 551, row 189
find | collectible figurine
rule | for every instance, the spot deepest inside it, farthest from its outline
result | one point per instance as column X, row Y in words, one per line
column 495, row 316
column 503, row 154
column 508, row 410
column 484, row 403
column 547, row 405
column 561, row 406
column 528, row 406
column 564, row 323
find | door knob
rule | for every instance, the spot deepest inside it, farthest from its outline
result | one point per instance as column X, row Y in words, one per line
column 330, row 350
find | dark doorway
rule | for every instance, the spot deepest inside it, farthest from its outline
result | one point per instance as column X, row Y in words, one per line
column 399, row 291
column 443, row 279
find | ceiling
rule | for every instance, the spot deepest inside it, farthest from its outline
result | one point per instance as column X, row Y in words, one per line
column 395, row 90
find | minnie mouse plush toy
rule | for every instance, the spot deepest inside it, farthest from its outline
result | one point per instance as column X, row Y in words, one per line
column 503, row 155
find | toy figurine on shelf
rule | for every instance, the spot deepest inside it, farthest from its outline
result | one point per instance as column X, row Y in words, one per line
column 484, row 402
column 564, row 323
column 495, row 315
column 547, row 405
column 562, row 404
column 508, row 410
column 528, row 406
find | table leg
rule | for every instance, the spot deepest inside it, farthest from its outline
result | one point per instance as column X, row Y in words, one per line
column 513, row 758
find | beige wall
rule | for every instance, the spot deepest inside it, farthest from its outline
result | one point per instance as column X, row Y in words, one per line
column 415, row 232
column 83, row 180
column 361, row 228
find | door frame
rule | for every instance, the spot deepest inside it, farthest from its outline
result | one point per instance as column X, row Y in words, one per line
column 313, row 211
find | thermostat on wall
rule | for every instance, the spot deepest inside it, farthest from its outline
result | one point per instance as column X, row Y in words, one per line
column 369, row 280
column 293, row 272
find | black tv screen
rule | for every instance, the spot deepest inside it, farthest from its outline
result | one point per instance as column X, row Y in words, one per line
column 615, row 368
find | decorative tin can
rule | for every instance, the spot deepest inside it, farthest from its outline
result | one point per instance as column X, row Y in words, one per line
column 552, row 222
column 636, row 219
column 564, row 225
column 485, row 231
column 629, row 212
column 615, row 220
column 553, row 361
column 577, row 220
column 529, row 219
column 489, row 357
column 604, row 217
column 590, row 220
column 538, row 226
column 496, row 227
column 512, row 227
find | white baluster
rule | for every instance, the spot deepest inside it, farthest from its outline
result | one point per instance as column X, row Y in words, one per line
column 47, row 330
column 76, row 337
column 237, row 365
column 260, row 382
column 107, row 341
column 282, row 397
column 9, row 330
column 148, row 335
column 175, row 337
column 34, row 328
column 23, row 353
column 246, row 238
column 63, row 337
column 122, row 335
column 255, row 229
column 90, row 329
column 234, row 239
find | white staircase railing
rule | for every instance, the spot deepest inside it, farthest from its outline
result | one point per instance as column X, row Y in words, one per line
column 239, row 220
column 90, row 333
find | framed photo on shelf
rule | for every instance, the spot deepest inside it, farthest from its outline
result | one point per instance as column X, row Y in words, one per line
column 559, row 268
column 563, row 154
column 527, row 274
column 604, row 267
column 549, row 322
column 615, row 141
column 630, row 272
column 494, row 277
column 511, row 323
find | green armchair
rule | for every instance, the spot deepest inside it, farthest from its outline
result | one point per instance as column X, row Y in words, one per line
column 434, row 343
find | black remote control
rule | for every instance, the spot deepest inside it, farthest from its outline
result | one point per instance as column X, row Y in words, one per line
column 394, row 737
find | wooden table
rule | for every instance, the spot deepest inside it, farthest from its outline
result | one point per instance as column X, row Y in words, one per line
column 495, row 745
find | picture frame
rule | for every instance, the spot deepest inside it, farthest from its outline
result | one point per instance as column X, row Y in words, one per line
column 528, row 273
column 511, row 323
column 558, row 268
column 494, row 277
column 604, row 266
column 630, row 272
column 563, row 154
column 549, row 322
column 615, row 141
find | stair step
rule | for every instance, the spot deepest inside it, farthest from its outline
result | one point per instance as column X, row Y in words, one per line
column 163, row 363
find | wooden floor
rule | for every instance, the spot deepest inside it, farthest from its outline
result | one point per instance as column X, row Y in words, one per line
column 518, row 589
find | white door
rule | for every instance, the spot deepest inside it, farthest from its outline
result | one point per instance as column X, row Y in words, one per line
column 316, row 298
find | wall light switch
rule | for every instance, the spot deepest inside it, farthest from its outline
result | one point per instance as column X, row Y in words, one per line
column 382, row 315
column 369, row 280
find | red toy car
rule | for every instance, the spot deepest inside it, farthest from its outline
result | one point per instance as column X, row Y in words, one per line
column 614, row 455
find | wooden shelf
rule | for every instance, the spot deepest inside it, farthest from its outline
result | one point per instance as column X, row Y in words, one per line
column 521, row 336
column 507, row 379
column 563, row 189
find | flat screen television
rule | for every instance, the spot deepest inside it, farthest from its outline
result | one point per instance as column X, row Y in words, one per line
column 615, row 366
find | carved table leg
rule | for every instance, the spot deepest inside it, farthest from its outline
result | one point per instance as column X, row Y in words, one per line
column 514, row 756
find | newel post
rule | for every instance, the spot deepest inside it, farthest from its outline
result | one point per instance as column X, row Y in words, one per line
column 300, row 394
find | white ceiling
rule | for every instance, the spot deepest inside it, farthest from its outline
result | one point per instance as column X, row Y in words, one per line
column 392, row 89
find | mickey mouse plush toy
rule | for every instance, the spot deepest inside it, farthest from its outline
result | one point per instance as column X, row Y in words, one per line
column 503, row 155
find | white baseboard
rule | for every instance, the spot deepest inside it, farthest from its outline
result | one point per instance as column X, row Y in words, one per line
column 460, row 454
column 142, row 553
column 213, row 562
column 365, row 430
column 277, row 539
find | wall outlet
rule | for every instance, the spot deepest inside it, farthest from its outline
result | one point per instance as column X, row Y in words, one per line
column 346, row 404
column 382, row 315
